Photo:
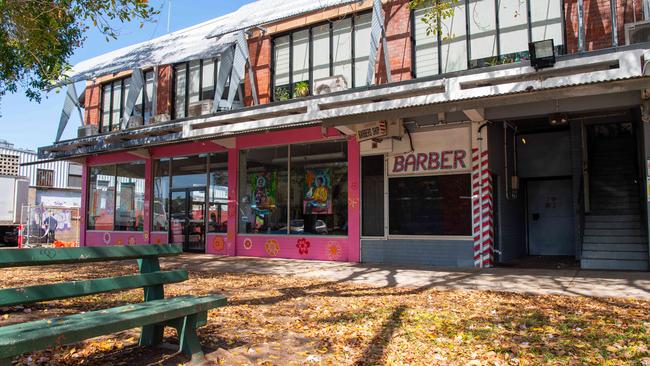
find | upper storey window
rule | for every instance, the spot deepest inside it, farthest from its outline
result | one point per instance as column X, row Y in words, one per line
column 484, row 33
column 195, row 81
column 114, row 96
column 340, row 47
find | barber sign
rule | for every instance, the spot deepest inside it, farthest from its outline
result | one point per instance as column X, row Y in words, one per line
column 371, row 130
column 433, row 152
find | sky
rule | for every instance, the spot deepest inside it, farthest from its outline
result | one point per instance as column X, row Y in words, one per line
column 28, row 124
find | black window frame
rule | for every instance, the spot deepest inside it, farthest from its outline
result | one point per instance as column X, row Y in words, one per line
column 311, row 27
column 44, row 177
column 123, row 94
column 479, row 63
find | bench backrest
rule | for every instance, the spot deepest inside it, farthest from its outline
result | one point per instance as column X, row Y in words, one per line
column 151, row 278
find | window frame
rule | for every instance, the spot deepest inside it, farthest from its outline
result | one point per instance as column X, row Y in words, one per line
column 47, row 175
column 89, row 193
column 123, row 94
column 478, row 63
column 311, row 27
column 241, row 189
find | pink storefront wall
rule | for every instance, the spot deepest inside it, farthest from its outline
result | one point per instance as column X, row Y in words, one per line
column 331, row 248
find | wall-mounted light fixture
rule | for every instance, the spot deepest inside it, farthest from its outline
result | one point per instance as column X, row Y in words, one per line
column 558, row 119
column 542, row 54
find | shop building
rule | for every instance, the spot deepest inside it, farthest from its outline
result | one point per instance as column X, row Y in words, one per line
column 344, row 131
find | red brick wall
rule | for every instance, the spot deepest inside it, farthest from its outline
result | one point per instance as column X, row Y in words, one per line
column 164, row 96
column 597, row 22
column 92, row 108
column 260, row 57
column 398, row 35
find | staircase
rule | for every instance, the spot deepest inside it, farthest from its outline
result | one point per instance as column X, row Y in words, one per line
column 614, row 235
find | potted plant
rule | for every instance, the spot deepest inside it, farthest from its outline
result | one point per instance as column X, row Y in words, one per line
column 301, row 89
column 281, row 94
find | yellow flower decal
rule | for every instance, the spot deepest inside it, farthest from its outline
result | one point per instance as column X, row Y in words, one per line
column 272, row 247
column 218, row 244
column 333, row 250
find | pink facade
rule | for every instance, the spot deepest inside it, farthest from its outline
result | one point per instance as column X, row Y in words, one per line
column 232, row 243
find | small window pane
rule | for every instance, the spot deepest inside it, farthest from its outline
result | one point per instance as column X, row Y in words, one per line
column 127, row 84
column 362, row 30
column 426, row 46
column 263, row 191
column 513, row 26
column 148, row 95
column 546, row 21
column 319, row 189
column 281, row 68
column 372, row 190
column 218, row 190
column 301, row 63
column 454, row 44
column 482, row 25
column 189, row 171
column 161, row 195
column 117, row 103
column 430, row 205
column 321, row 47
column 106, row 109
column 207, row 80
column 342, row 51
column 179, row 101
column 101, row 198
column 129, row 204
column 195, row 70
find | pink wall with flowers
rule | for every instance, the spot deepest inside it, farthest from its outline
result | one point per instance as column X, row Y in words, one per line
column 331, row 248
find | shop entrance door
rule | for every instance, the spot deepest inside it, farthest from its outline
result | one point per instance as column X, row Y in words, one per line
column 187, row 218
column 550, row 217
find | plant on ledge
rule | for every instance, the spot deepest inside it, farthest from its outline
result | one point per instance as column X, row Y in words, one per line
column 301, row 89
column 282, row 93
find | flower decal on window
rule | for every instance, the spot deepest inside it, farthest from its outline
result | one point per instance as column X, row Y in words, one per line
column 272, row 247
column 248, row 244
column 218, row 244
column 303, row 246
column 132, row 240
column 333, row 250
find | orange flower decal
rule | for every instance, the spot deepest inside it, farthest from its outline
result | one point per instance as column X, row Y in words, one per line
column 131, row 240
column 218, row 244
column 158, row 240
column 119, row 242
column 248, row 244
column 272, row 247
column 333, row 250
column 353, row 202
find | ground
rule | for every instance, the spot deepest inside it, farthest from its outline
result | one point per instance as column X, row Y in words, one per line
column 276, row 319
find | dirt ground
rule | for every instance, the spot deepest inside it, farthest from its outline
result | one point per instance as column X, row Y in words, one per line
column 287, row 320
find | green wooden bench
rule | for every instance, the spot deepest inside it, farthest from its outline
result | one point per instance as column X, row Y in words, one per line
column 184, row 313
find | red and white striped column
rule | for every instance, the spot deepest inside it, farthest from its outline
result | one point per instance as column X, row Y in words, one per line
column 482, row 212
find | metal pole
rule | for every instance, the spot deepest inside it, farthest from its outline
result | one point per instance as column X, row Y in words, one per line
column 612, row 7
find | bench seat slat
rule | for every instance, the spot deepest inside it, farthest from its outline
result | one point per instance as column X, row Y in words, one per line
column 63, row 290
column 46, row 256
column 20, row 338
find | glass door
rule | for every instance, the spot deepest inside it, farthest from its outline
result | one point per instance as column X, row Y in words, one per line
column 187, row 218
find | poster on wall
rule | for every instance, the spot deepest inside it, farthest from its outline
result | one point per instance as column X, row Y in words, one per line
column 265, row 186
column 318, row 185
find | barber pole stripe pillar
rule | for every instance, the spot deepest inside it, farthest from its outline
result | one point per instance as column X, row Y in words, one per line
column 482, row 213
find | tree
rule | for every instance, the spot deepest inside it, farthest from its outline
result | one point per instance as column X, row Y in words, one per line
column 37, row 37
column 437, row 10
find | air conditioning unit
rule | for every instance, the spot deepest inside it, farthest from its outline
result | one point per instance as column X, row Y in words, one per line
column 87, row 130
column 638, row 32
column 331, row 84
column 200, row 108
column 158, row 118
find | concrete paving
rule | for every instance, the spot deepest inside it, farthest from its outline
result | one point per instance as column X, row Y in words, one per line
column 532, row 281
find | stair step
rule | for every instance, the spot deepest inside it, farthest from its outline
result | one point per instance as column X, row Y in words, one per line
column 624, row 265
column 640, row 256
column 631, row 239
column 615, row 247
column 612, row 204
column 612, row 218
column 622, row 211
column 614, row 232
column 612, row 225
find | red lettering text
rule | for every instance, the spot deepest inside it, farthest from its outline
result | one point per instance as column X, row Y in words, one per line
column 459, row 159
column 398, row 164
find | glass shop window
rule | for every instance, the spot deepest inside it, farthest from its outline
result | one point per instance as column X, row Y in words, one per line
column 319, row 189
column 129, row 202
column 160, row 195
column 430, row 205
column 218, row 186
column 372, row 191
column 263, row 190
column 101, row 200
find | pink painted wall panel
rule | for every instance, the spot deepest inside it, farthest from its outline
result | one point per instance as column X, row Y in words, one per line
column 328, row 248
column 106, row 238
column 159, row 238
column 216, row 244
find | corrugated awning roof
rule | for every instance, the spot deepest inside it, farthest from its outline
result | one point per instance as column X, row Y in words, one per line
column 269, row 11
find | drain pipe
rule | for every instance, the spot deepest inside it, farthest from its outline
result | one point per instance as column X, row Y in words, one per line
column 612, row 12
column 581, row 26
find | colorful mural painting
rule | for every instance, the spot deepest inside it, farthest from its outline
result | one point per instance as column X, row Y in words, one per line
column 318, row 188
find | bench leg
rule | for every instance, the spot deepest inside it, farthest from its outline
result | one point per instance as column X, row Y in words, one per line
column 189, row 341
column 152, row 335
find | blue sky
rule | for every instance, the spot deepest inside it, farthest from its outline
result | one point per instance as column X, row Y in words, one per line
column 29, row 124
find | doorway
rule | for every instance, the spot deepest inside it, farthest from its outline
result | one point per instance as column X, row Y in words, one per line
column 187, row 218
column 550, row 217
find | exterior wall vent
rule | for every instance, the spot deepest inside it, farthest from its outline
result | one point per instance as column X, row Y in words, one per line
column 638, row 32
